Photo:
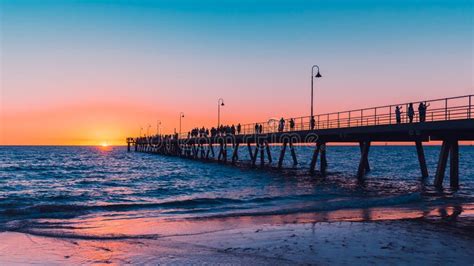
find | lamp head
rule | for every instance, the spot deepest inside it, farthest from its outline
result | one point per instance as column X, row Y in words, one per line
column 222, row 104
column 318, row 75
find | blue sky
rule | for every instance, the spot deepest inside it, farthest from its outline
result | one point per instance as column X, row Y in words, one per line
column 182, row 55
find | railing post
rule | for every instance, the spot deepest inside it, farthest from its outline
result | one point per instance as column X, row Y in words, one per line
column 349, row 121
column 470, row 104
column 390, row 115
column 375, row 115
column 446, row 109
column 328, row 121
column 361, row 117
column 338, row 123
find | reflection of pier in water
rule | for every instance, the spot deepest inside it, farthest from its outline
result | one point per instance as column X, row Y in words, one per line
column 448, row 120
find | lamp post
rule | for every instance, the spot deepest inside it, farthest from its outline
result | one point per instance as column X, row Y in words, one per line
column 181, row 115
column 141, row 129
column 220, row 103
column 318, row 75
column 158, row 123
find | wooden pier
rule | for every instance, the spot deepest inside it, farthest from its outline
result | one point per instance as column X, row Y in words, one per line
column 447, row 120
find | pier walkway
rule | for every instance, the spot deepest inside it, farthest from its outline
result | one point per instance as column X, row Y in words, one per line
column 448, row 120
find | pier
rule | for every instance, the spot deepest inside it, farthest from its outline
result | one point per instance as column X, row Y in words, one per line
column 448, row 120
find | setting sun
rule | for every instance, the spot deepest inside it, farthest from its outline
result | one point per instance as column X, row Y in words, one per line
column 104, row 144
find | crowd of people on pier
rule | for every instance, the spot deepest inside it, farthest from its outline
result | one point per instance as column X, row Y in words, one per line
column 422, row 107
column 215, row 131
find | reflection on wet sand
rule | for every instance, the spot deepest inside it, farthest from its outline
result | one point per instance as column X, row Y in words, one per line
column 112, row 239
column 118, row 226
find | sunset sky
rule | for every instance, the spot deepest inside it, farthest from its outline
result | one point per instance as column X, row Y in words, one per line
column 88, row 72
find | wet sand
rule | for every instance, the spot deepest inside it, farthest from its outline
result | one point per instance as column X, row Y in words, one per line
column 267, row 240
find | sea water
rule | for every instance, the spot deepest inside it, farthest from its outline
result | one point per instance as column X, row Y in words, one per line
column 64, row 184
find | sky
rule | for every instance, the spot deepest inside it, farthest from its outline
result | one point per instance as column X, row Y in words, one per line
column 90, row 72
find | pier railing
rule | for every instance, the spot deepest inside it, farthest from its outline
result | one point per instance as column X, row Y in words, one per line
column 453, row 108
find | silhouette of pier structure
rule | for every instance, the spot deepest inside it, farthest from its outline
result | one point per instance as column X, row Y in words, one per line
column 448, row 120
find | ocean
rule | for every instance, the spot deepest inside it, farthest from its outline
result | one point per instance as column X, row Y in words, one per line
column 43, row 189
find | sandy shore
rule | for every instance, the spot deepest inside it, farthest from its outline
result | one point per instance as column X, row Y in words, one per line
column 341, row 243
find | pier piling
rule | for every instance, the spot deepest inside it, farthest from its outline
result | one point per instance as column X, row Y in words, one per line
column 442, row 161
column 421, row 158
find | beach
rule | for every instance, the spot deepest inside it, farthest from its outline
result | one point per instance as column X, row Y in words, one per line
column 257, row 240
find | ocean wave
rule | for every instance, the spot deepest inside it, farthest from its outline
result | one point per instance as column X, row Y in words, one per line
column 65, row 208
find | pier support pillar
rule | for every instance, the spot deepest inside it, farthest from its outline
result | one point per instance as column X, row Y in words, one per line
column 442, row 161
column 269, row 154
column 421, row 158
column 254, row 156
column 221, row 152
column 203, row 152
column 235, row 154
column 282, row 153
column 454, row 165
column 208, row 150
column 364, row 159
column 262, row 154
column 314, row 159
column 250, row 151
column 293, row 154
column 225, row 151
column 366, row 163
column 324, row 163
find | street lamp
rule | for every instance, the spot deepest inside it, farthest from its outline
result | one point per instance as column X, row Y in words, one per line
column 220, row 103
column 318, row 75
column 158, row 123
column 181, row 115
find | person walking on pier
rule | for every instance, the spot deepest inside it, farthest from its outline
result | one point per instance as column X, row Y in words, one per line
column 410, row 112
column 292, row 124
column 232, row 130
column 312, row 122
column 260, row 128
column 256, row 128
column 239, row 127
column 398, row 114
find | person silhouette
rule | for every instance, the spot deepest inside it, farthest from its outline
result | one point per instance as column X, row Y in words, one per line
column 410, row 112
column 312, row 122
column 281, row 126
column 292, row 124
column 398, row 114
column 421, row 107
column 239, row 127
column 422, row 111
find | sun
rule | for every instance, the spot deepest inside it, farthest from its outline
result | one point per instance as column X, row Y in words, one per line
column 104, row 144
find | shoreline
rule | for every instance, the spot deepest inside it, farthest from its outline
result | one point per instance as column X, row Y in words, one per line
column 276, row 240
